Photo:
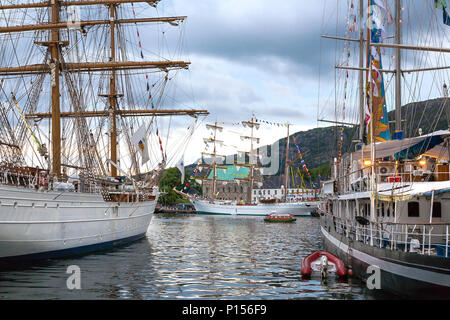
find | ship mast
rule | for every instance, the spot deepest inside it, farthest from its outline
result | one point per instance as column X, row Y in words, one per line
column 286, row 164
column 251, row 163
column 213, row 166
column 55, row 66
column 361, row 72
column 112, row 93
column 398, row 72
column 251, row 177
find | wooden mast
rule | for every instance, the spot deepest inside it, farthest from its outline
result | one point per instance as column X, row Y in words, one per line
column 214, row 162
column 112, row 94
column 213, row 139
column 56, row 110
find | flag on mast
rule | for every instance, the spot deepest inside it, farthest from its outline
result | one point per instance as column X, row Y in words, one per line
column 139, row 139
column 442, row 4
column 376, row 115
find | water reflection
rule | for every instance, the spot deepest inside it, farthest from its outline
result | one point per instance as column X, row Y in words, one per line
column 192, row 257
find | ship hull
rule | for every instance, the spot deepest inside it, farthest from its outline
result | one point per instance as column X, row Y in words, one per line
column 296, row 209
column 401, row 273
column 36, row 225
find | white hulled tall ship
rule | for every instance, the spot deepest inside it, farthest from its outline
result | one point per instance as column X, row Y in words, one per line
column 250, row 173
column 73, row 114
column 387, row 204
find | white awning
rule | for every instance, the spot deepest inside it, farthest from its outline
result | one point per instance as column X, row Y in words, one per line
column 440, row 151
column 390, row 148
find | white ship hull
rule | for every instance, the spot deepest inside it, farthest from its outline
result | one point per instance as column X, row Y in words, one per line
column 296, row 209
column 36, row 224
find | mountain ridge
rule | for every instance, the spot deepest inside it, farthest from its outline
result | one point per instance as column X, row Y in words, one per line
column 320, row 145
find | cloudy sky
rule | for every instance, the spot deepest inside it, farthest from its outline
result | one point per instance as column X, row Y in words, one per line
column 252, row 57
column 267, row 58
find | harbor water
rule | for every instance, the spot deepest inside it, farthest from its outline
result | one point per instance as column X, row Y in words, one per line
column 192, row 257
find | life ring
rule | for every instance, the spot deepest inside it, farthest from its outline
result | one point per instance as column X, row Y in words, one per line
column 326, row 207
column 42, row 180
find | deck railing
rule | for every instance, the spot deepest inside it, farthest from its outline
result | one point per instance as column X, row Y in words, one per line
column 359, row 179
column 421, row 238
column 41, row 180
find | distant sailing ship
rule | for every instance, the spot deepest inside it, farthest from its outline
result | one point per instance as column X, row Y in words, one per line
column 387, row 203
column 246, row 206
column 74, row 79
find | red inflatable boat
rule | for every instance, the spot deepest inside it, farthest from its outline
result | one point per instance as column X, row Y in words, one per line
column 314, row 260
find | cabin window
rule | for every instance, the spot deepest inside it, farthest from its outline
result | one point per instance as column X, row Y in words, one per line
column 436, row 209
column 382, row 209
column 268, row 191
column 276, row 191
column 413, row 209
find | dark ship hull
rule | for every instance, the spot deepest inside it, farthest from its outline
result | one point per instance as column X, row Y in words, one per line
column 402, row 273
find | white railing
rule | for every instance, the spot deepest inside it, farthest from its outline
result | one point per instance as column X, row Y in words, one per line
column 41, row 181
column 358, row 180
column 422, row 238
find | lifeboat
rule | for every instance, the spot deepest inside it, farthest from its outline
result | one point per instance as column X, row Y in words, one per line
column 324, row 262
column 279, row 217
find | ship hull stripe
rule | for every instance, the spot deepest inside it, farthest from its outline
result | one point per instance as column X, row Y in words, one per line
column 70, row 251
column 391, row 267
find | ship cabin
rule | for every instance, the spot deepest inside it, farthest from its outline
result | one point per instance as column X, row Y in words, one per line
column 399, row 199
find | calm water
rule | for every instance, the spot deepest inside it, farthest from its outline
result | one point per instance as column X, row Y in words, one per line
column 192, row 257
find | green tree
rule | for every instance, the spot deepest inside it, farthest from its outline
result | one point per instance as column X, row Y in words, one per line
column 172, row 178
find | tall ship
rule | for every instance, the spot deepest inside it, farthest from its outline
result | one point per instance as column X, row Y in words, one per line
column 387, row 204
column 247, row 173
column 79, row 103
